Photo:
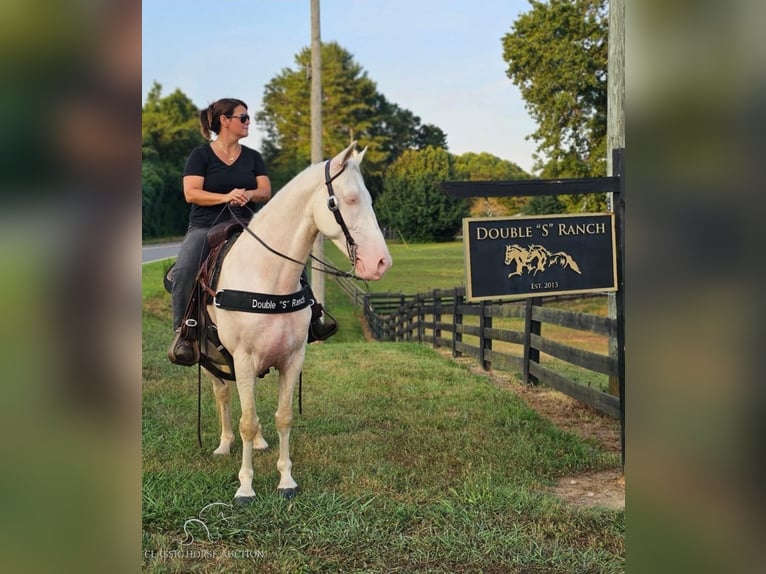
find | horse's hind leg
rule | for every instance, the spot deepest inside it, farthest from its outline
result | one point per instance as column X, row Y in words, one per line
column 222, row 393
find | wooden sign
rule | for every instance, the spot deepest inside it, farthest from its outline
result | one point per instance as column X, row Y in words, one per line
column 520, row 257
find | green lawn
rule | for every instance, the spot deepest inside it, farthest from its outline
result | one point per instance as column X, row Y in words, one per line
column 407, row 463
column 417, row 267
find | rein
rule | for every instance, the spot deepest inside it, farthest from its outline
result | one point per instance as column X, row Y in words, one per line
column 334, row 206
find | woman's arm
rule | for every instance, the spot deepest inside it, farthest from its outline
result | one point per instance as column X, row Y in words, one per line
column 193, row 193
column 263, row 192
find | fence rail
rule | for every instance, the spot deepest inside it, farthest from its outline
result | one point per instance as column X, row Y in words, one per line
column 485, row 331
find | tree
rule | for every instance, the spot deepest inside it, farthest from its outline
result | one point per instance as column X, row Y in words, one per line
column 487, row 167
column 412, row 201
column 169, row 131
column 352, row 108
column 545, row 205
column 557, row 56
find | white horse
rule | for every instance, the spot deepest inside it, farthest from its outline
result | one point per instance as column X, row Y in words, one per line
column 268, row 258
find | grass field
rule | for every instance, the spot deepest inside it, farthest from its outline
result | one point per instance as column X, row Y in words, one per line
column 407, row 462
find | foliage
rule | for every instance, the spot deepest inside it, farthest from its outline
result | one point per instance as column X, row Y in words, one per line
column 487, row 167
column 545, row 204
column 352, row 108
column 411, row 192
column 412, row 201
column 557, row 56
column 169, row 131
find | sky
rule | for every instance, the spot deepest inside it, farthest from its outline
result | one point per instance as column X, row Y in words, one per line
column 440, row 59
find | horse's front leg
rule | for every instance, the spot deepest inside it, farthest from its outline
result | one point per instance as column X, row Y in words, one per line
column 283, row 421
column 249, row 425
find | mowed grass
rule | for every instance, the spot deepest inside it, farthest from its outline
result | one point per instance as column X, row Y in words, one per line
column 407, row 463
column 417, row 268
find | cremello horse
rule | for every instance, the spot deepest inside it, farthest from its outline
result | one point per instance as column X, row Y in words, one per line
column 268, row 259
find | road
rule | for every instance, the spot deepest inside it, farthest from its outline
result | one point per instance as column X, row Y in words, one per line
column 159, row 251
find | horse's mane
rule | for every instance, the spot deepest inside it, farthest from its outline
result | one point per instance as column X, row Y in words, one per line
column 305, row 180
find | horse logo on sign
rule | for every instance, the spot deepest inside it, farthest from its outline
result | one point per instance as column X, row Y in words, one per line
column 535, row 259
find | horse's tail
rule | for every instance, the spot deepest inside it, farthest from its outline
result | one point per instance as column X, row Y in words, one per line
column 565, row 260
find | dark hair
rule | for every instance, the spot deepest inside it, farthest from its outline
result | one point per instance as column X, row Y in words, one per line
column 210, row 117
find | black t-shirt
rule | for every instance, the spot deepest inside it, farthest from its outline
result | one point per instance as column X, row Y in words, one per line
column 222, row 178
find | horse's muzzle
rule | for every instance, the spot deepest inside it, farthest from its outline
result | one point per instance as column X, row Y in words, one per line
column 374, row 271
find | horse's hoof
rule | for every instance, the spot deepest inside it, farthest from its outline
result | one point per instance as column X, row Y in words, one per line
column 288, row 493
column 244, row 500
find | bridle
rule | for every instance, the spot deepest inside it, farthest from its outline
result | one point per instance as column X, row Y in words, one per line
column 334, row 206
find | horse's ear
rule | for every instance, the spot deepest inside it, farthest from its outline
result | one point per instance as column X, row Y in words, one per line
column 359, row 156
column 340, row 160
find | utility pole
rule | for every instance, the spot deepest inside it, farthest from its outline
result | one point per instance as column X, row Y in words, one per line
column 615, row 126
column 317, row 279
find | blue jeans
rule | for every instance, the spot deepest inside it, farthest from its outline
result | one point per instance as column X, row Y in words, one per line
column 194, row 250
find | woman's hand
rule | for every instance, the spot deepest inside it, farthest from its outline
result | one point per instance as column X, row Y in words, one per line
column 238, row 196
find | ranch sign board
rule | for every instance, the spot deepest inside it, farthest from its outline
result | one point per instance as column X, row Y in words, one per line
column 520, row 257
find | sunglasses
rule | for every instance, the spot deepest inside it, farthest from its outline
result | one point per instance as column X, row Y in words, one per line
column 241, row 117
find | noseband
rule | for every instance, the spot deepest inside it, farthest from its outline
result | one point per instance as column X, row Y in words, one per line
column 334, row 205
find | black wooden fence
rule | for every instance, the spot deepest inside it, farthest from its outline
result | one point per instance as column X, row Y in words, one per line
column 485, row 331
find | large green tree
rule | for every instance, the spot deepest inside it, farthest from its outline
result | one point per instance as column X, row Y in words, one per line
column 557, row 56
column 412, row 202
column 169, row 131
column 484, row 166
column 352, row 109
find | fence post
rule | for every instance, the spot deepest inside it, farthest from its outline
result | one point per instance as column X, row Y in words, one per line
column 399, row 334
column 416, row 316
column 485, row 343
column 411, row 316
column 530, row 328
column 421, row 316
column 437, row 332
column 407, row 321
column 457, row 321
column 385, row 327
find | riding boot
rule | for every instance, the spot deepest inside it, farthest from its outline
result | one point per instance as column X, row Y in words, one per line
column 318, row 330
column 182, row 351
column 185, row 347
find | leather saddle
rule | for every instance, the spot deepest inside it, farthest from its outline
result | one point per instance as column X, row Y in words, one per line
column 197, row 327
